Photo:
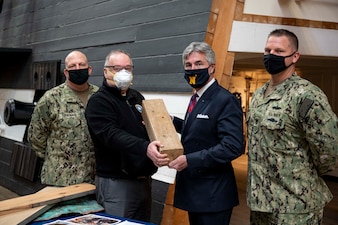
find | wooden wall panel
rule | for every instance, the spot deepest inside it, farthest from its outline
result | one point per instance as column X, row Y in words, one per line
column 7, row 179
column 149, row 83
column 46, row 75
column 24, row 162
column 188, row 25
column 154, row 32
column 88, row 40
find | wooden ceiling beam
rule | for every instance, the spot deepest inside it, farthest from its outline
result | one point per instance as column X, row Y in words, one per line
column 218, row 36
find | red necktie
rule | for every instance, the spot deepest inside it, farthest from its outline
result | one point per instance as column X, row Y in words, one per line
column 192, row 102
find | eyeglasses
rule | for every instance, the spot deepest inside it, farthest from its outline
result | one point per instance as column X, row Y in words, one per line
column 119, row 68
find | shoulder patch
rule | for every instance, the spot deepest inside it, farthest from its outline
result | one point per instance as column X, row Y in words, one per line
column 304, row 108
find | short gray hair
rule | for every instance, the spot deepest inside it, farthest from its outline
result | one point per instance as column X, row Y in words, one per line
column 200, row 47
column 115, row 52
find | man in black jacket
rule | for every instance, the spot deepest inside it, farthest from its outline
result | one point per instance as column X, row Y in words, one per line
column 125, row 158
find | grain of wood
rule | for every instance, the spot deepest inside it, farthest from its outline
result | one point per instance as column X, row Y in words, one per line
column 160, row 127
column 44, row 198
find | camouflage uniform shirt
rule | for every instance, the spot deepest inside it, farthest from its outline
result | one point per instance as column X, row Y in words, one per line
column 290, row 147
column 59, row 134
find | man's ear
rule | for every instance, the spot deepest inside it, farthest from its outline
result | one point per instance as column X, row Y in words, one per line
column 90, row 69
column 295, row 57
column 212, row 69
column 105, row 72
column 65, row 72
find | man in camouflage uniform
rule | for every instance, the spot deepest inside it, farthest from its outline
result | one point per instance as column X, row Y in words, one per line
column 293, row 141
column 58, row 130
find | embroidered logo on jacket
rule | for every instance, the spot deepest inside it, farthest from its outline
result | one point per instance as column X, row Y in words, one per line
column 138, row 107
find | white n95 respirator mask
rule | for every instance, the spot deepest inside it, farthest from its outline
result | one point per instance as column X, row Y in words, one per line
column 123, row 79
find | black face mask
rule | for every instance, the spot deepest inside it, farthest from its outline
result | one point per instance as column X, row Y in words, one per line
column 275, row 64
column 78, row 76
column 197, row 78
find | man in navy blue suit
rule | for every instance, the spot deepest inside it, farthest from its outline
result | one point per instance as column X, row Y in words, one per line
column 212, row 136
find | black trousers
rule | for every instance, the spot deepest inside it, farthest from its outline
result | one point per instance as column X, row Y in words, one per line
column 208, row 218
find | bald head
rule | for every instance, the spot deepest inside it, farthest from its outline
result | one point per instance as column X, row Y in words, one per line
column 76, row 60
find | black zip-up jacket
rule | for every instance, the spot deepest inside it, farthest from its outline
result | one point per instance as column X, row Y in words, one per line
column 119, row 136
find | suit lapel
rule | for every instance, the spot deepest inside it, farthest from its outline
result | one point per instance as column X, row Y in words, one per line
column 200, row 105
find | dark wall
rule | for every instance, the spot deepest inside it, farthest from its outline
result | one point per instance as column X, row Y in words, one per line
column 154, row 32
column 15, row 67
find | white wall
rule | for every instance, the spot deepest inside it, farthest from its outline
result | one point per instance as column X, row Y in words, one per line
column 251, row 37
column 318, row 10
column 312, row 41
column 13, row 132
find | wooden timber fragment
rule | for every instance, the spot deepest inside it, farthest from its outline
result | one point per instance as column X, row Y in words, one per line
column 25, row 216
column 45, row 198
column 160, row 127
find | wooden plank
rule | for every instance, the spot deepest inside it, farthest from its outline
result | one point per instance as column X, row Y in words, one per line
column 44, row 198
column 188, row 25
column 222, row 27
column 25, row 216
column 89, row 40
column 160, row 127
column 159, row 83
